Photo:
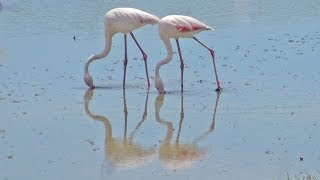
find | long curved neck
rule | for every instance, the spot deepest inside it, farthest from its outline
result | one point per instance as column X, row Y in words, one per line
column 104, row 53
column 167, row 59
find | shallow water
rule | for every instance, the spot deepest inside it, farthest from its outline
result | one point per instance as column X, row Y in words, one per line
column 265, row 120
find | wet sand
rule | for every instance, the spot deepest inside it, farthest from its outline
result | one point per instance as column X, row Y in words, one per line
column 263, row 125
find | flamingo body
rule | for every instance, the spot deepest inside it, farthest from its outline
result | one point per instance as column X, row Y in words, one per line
column 179, row 26
column 126, row 20
column 121, row 20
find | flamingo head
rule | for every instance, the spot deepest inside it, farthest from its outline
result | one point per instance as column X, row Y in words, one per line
column 88, row 80
column 159, row 85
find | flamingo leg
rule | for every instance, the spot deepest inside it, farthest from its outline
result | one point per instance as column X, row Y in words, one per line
column 181, row 63
column 144, row 57
column 125, row 111
column 125, row 62
column 214, row 63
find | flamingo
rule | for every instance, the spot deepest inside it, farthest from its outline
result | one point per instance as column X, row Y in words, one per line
column 121, row 20
column 178, row 26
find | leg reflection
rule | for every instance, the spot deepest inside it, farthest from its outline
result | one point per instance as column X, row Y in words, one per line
column 213, row 124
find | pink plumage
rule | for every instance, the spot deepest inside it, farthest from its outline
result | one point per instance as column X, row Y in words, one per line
column 176, row 26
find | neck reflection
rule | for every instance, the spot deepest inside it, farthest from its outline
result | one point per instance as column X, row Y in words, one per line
column 176, row 155
column 123, row 152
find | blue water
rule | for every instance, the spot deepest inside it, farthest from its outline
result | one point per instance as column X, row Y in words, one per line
column 265, row 119
column 85, row 18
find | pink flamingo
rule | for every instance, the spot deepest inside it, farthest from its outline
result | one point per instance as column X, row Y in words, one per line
column 177, row 26
column 121, row 20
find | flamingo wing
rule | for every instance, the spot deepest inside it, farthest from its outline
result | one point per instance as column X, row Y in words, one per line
column 176, row 26
column 131, row 15
column 126, row 20
column 188, row 24
column 144, row 17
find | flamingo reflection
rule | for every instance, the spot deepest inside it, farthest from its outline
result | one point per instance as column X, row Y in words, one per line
column 176, row 155
column 122, row 153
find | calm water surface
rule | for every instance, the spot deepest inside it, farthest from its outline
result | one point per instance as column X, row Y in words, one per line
column 264, row 125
